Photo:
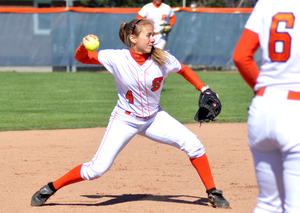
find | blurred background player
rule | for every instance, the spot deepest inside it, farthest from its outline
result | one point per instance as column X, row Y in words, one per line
column 274, row 113
column 158, row 13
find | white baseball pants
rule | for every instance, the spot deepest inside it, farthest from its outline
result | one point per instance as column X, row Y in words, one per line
column 273, row 134
column 122, row 128
column 160, row 40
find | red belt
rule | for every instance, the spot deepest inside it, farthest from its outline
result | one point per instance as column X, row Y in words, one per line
column 156, row 33
column 261, row 91
column 145, row 118
column 291, row 94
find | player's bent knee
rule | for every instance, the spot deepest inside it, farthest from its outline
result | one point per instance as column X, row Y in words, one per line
column 192, row 145
column 196, row 152
column 92, row 171
column 195, row 149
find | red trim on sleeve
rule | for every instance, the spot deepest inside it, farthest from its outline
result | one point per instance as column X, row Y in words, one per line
column 84, row 56
column 243, row 56
column 172, row 20
column 191, row 77
column 140, row 17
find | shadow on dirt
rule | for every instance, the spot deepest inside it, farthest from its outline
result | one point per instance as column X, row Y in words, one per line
column 117, row 199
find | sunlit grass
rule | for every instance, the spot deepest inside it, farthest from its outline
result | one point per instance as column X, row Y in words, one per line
column 86, row 99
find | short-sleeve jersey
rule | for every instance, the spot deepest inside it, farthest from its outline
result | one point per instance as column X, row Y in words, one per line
column 277, row 23
column 157, row 14
column 139, row 87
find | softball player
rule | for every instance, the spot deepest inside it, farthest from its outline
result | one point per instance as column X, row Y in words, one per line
column 139, row 72
column 274, row 115
column 158, row 13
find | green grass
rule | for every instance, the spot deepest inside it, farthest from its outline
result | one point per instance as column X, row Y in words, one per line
column 180, row 98
column 81, row 100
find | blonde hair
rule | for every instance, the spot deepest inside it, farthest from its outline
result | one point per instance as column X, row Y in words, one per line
column 134, row 27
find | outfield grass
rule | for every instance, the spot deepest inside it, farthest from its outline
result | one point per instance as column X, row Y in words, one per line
column 180, row 98
column 80, row 100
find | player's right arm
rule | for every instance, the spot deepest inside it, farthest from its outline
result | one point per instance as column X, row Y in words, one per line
column 140, row 17
column 144, row 18
column 84, row 56
column 243, row 56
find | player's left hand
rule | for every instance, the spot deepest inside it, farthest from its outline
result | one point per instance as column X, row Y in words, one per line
column 209, row 106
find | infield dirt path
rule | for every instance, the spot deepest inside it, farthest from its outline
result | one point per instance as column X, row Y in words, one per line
column 146, row 177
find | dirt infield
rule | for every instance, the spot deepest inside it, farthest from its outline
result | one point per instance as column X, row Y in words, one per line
column 146, row 176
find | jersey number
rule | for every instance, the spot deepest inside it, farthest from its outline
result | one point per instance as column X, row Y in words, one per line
column 129, row 96
column 155, row 86
column 282, row 37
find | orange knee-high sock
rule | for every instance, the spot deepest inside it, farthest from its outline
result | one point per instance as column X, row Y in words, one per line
column 202, row 166
column 72, row 176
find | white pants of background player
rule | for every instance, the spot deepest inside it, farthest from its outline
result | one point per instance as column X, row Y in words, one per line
column 122, row 128
column 160, row 40
column 274, row 138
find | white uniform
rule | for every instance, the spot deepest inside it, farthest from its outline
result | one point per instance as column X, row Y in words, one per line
column 274, row 114
column 160, row 16
column 138, row 111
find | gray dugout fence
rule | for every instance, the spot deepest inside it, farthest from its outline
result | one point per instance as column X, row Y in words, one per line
column 50, row 39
